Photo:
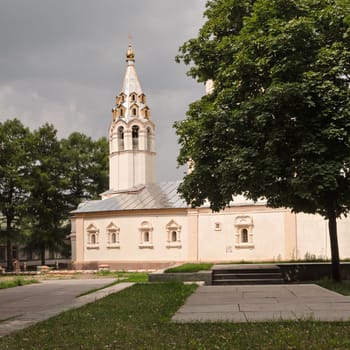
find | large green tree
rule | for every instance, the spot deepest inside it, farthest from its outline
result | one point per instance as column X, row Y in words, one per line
column 277, row 124
column 47, row 206
column 86, row 167
column 14, row 160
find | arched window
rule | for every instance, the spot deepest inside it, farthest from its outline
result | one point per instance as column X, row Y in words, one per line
column 112, row 236
column 244, row 232
column 92, row 237
column 134, row 112
column 148, row 140
column 146, row 235
column 142, row 98
column 173, row 234
column 135, row 137
column 120, row 138
column 244, row 235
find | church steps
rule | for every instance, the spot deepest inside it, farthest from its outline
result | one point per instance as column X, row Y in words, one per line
column 244, row 281
column 260, row 275
column 247, row 274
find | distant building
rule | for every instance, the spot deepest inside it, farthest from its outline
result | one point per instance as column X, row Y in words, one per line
column 140, row 223
column 28, row 259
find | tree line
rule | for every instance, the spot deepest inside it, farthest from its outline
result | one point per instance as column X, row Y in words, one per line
column 43, row 178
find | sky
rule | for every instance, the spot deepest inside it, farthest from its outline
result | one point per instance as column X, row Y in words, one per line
column 63, row 63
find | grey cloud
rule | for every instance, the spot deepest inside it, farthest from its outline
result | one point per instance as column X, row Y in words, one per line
column 64, row 61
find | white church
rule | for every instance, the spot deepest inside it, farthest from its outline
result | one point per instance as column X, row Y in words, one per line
column 142, row 224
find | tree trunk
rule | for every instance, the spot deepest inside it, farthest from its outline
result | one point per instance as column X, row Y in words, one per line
column 333, row 237
column 43, row 255
column 9, row 243
column 9, row 254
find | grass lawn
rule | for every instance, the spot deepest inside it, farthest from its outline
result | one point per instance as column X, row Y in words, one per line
column 138, row 318
column 342, row 287
column 124, row 276
column 190, row 268
column 15, row 282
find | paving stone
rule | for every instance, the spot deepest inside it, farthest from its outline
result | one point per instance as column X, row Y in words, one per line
column 266, row 316
column 50, row 298
column 210, row 308
column 209, row 317
column 265, row 303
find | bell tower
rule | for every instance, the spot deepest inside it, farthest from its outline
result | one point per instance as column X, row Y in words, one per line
column 131, row 135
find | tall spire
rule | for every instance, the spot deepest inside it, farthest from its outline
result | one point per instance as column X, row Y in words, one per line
column 131, row 135
column 131, row 81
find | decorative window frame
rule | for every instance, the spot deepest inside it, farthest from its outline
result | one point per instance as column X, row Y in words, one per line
column 146, row 112
column 243, row 223
column 113, row 229
column 133, row 97
column 92, row 237
column 171, row 228
column 122, row 97
column 142, row 98
column 121, row 112
column 134, row 110
column 146, row 229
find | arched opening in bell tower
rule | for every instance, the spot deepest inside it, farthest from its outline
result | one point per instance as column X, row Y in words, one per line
column 121, row 138
column 135, row 137
column 148, row 139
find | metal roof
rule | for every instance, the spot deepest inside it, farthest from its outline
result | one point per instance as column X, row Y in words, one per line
column 154, row 196
column 161, row 195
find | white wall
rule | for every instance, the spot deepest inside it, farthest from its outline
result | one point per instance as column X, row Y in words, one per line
column 130, row 239
column 268, row 236
column 313, row 236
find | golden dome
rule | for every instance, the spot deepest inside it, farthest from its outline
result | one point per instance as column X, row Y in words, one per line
column 130, row 56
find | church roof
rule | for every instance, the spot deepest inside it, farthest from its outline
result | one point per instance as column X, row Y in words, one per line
column 161, row 195
column 153, row 196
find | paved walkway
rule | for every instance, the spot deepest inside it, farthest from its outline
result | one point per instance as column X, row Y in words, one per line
column 255, row 303
column 24, row 306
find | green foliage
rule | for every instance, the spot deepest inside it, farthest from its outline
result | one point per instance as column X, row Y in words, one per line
column 86, row 167
column 280, row 108
column 42, row 178
column 47, row 204
column 277, row 123
column 190, row 268
column 14, row 161
column 138, row 318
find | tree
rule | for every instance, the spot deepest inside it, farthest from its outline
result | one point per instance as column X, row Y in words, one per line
column 277, row 124
column 47, row 207
column 86, row 167
column 13, row 194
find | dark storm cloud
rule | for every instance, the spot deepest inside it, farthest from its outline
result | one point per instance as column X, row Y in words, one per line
column 63, row 62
